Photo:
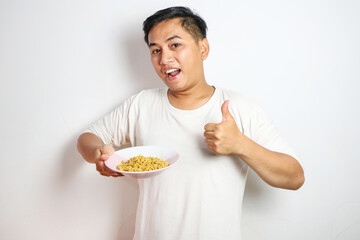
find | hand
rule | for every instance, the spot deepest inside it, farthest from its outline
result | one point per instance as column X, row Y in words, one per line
column 225, row 137
column 103, row 154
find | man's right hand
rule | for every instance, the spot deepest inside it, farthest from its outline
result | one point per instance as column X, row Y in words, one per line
column 102, row 154
column 93, row 150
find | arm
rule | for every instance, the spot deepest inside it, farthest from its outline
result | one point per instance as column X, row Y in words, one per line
column 93, row 150
column 276, row 169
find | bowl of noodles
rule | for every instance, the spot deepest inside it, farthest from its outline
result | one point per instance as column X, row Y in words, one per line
column 143, row 161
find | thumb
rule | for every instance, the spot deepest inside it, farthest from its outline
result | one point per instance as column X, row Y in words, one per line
column 226, row 115
column 106, row 151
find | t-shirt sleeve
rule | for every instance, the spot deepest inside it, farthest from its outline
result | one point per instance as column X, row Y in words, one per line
column 113, row 129
column 266, row 134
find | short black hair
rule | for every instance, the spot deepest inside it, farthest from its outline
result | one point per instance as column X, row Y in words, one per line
column 190, row 21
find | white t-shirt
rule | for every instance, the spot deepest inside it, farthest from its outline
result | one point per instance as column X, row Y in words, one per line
column 201, row 196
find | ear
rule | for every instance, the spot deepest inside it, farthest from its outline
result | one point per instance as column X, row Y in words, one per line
column 205, row 48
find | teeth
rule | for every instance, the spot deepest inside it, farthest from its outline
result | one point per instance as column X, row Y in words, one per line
column 172, row 70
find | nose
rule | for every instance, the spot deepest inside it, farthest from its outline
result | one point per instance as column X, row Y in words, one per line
column 166, row 57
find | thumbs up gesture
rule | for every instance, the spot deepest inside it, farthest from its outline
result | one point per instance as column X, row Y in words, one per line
column 225, row 137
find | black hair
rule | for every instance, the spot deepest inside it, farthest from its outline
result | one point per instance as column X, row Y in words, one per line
column 190, row 21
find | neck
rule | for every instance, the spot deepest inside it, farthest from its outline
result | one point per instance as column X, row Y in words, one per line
column 191, row 98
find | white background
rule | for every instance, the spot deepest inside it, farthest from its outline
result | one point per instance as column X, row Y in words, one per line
column 64, row 64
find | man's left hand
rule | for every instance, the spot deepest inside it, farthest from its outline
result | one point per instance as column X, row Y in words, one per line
column 225, row 137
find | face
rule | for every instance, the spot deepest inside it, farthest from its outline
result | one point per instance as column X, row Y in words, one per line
column 175, row 55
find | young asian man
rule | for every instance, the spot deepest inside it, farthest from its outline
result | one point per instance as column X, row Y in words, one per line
column 218, row 133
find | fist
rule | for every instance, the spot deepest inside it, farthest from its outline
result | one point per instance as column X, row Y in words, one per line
column 225, row 137
column 103, row 154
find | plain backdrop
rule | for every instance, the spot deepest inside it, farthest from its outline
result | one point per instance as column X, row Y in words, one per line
column 64, row 64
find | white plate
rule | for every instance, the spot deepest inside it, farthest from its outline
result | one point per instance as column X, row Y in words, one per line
column 163, row 153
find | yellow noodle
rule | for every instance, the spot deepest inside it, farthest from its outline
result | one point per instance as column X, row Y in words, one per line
column 142, row 164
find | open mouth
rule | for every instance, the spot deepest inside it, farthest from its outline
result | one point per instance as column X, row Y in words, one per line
column 173, row 72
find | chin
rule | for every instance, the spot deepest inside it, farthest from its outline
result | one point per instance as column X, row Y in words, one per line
column 174, row 86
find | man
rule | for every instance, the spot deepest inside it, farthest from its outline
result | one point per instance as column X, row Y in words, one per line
column 218, row 134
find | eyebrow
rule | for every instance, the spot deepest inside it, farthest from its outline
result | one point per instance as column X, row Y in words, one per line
column 167, row 40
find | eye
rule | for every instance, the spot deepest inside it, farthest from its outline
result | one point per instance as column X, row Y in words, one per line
column 155, row 51
column 175, row 45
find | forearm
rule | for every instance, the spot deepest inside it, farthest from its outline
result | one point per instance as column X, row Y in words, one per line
column 88, row 145
column 277, row 169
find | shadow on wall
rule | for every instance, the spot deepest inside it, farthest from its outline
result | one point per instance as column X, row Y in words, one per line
column 256, row 191
column 346, row 221
column 71, row 183
column 142, row 73
column 71, row 161
column 142, row 76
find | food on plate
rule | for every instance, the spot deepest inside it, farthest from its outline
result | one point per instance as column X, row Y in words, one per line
column 142, row 164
